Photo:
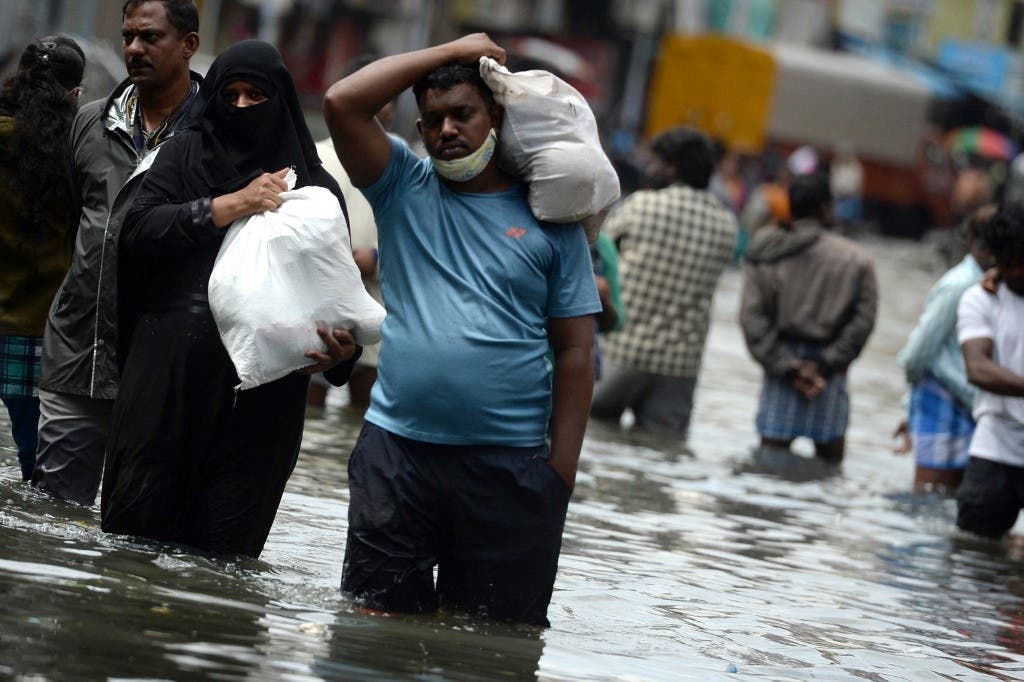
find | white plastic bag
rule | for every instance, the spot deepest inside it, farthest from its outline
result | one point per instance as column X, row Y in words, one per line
column 549, row 138
column 281, row 273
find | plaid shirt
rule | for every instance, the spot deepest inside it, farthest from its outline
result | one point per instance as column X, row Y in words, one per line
column 675, row 242
column 19, row 366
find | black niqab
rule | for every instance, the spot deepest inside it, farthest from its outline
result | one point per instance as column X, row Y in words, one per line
column 241, row 143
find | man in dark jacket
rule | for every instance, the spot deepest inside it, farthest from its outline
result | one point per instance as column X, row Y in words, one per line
column 113, row 142
column 808, row 307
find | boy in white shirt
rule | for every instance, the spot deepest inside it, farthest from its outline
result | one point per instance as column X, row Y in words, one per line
column 990, row 329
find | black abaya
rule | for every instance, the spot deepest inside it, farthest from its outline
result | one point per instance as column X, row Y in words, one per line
column 188, row 459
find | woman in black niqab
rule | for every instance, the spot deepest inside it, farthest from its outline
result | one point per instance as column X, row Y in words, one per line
column 189, row 459
column 235, row 139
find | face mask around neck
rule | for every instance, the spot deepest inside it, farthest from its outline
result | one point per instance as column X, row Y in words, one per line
column 468, row 167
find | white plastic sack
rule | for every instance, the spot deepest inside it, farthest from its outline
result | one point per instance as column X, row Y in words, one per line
column 281, row 273
column 549, row 139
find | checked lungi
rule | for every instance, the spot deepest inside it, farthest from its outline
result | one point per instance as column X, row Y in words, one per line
column 19, row 366
column 940, row 427
column 784, row 413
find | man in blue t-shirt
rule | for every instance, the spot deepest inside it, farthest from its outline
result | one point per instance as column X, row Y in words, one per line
column 452, row 468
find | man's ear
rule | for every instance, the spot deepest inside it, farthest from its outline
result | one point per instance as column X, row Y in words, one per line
column 419, row 126
column 191, row 44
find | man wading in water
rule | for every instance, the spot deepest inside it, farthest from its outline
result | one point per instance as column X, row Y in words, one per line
column 452, row 468
column 113, row 142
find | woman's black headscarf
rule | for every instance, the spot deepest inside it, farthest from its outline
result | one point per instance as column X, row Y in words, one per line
column 241, row 143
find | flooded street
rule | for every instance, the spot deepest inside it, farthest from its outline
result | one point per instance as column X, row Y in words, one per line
column 710, row 565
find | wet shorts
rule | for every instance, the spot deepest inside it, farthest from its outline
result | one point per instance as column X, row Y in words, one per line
column 940, row 427
column 489, row 517
column 990, row 497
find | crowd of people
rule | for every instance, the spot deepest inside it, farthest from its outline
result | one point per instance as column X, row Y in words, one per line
column 504, row 334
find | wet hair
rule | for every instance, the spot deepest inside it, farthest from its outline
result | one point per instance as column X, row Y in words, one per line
column 689, row 152
column 808, row 195
column 1004, row 235
column 182, row 14
column 977, row 221
column 447, row 77
column 37, row 98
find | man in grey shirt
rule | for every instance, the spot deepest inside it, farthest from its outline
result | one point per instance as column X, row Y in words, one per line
column 113, row 142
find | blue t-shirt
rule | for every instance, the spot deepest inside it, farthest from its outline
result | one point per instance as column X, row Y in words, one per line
column 469, row 281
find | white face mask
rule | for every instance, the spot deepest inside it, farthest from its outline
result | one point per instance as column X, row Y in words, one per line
column 468, row 167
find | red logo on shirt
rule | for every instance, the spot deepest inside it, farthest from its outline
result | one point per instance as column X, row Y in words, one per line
column 515, row 232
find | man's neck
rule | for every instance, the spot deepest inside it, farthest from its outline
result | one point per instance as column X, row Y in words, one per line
column 158, row 104
column 492, row 179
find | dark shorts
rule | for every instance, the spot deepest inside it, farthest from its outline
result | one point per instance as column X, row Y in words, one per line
column 990, row 497
column 489, row 517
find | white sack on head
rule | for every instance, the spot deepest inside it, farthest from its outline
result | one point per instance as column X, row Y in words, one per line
column 549, row 138
column 279, row 275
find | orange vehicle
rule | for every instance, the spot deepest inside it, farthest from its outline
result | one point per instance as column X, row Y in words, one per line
column 782, row 95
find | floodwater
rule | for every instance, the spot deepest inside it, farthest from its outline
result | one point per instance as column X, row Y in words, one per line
column 710, row 565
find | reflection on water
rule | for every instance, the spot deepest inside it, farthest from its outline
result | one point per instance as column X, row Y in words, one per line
column 709, row 562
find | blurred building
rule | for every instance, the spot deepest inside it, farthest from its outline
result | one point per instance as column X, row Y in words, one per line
column 889, row 75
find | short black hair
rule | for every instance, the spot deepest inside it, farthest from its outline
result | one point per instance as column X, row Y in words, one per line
column 808, row 195
column 978, row 220
column 1004, row 235
column 182, row 14
column 689, row 152
column 447, row 77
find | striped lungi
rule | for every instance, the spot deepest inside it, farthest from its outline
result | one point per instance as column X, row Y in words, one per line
column 940, row 427
column 784, row 413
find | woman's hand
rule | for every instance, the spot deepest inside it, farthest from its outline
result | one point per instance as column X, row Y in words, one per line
column 341, row 346
column 262, row 194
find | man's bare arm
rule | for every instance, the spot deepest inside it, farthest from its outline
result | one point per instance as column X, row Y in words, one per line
column 986, row 374
column 351, row 104
column 572, row 339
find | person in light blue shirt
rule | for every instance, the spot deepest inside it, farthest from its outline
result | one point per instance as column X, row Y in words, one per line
column 939, row 423
column 452, row 468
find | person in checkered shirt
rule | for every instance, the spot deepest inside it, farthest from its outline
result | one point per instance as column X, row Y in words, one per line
column 674, row 242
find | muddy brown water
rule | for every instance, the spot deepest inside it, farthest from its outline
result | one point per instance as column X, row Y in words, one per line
column 714, row 564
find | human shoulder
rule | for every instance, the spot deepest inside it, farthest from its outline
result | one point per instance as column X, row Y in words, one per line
column 977, row 302
column 90, row 114
column 976, row 315
column 404, row 170
column 847, row 249
column 957, row 280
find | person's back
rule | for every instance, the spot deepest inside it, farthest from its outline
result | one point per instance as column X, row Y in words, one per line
column 808, row 307
column 37, row 218
column 673, row 253
column 815, row 276
column 675, row 242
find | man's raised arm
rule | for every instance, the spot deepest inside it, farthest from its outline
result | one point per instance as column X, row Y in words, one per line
column 351, row 104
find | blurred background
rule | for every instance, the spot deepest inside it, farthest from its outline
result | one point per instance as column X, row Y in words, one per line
column 924, row 97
